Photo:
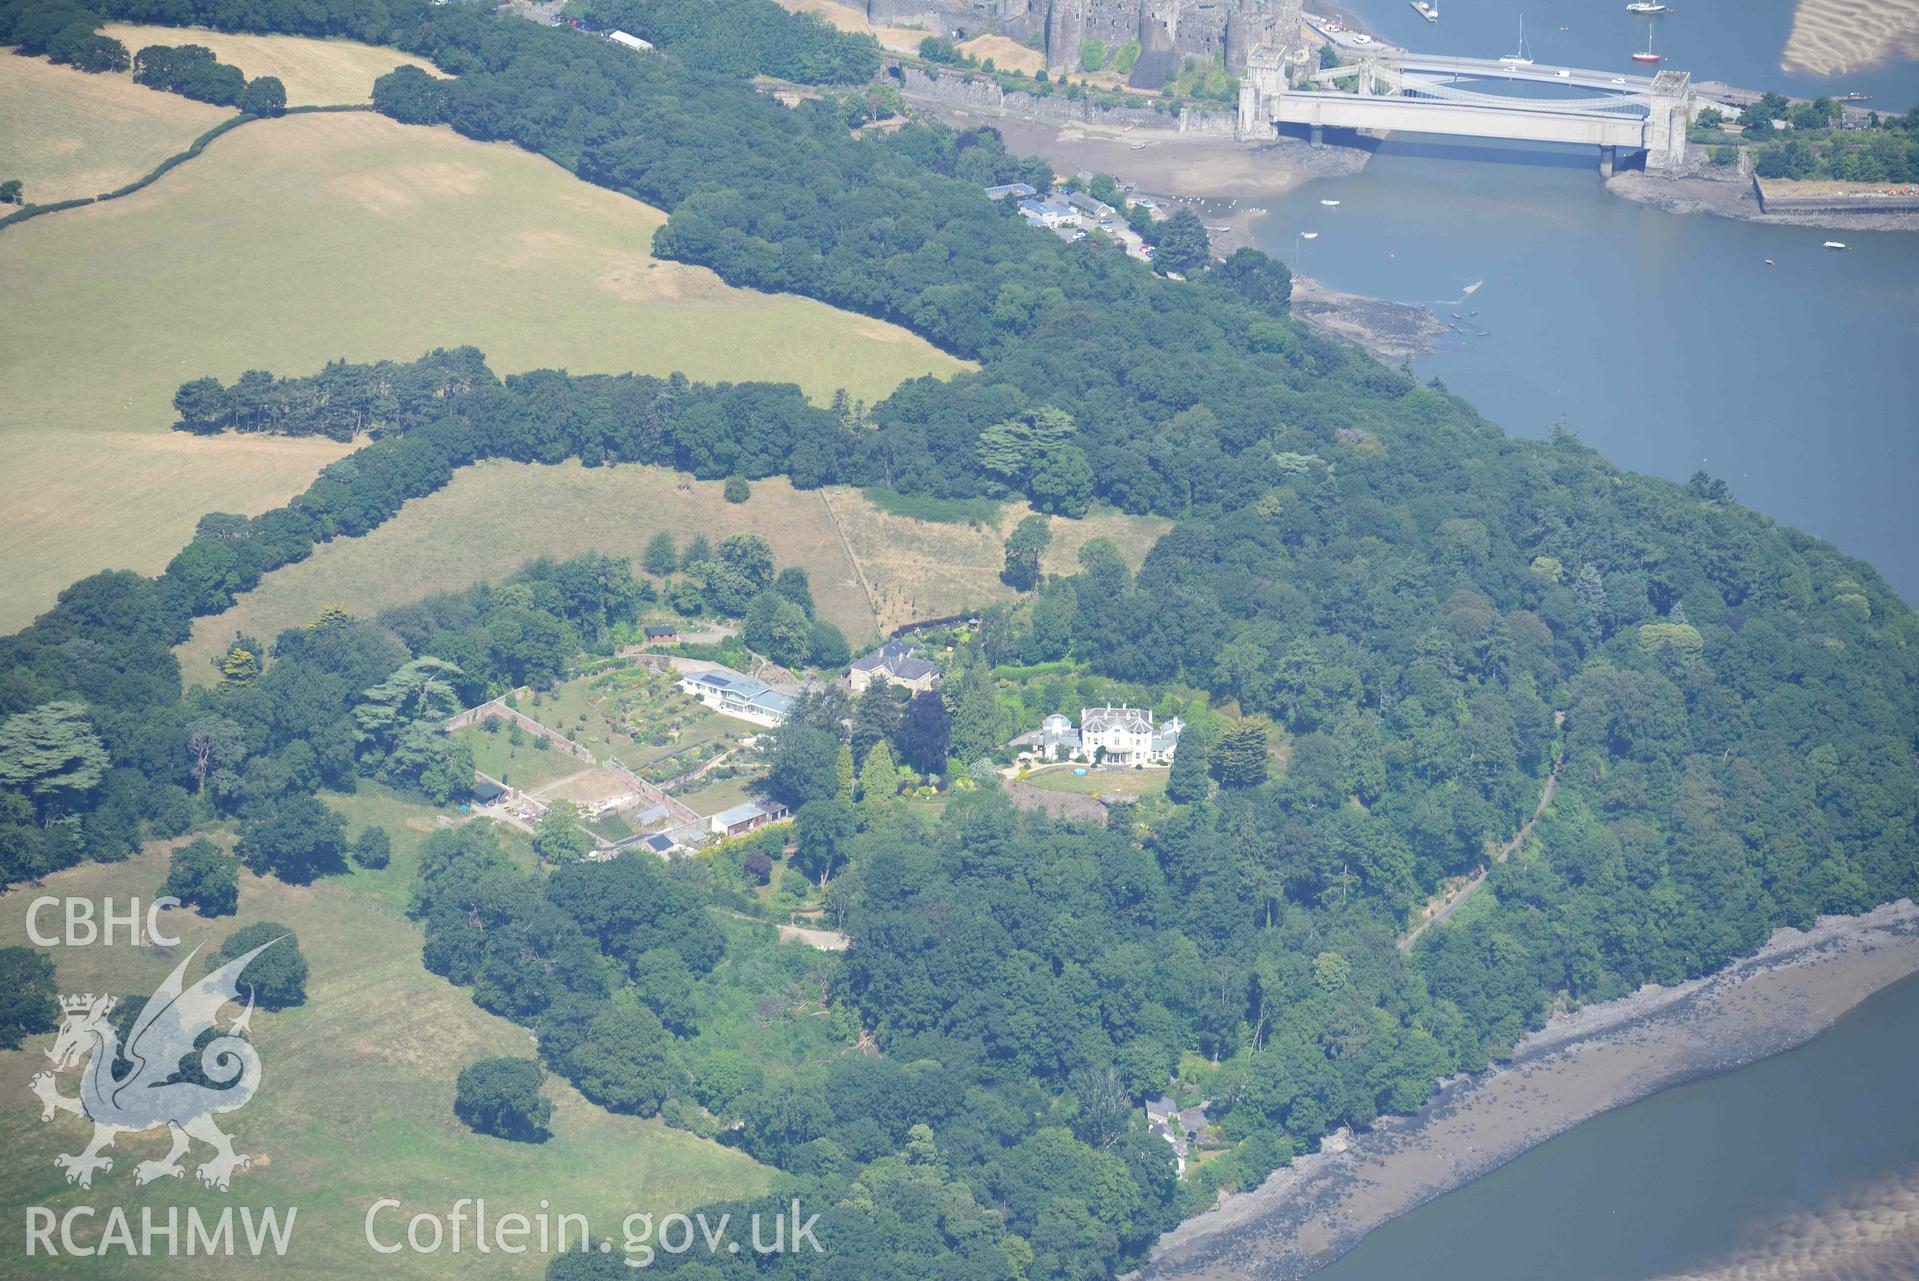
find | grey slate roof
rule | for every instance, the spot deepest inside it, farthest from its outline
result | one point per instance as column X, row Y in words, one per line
column 897, row 661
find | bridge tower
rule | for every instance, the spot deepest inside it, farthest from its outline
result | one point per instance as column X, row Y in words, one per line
column 1672, row 101
column 1260, row 90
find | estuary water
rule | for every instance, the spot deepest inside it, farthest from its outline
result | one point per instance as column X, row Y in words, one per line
column 1665, row 341
column 1740, row 42
column 1801, row 1167
column 1670, row 343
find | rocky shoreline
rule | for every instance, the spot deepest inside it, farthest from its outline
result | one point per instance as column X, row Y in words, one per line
column 1729, row 195
column 1394, row 332
column 1577, row 1066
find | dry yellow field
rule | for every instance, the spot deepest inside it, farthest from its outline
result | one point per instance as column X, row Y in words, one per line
column 361, row 238
column 86, row 501
column 66, row 134
column 853, row 18
column 1007, row 54
column 496, row 516
column 356, row 1097
column 315, row 72
column 918, row 569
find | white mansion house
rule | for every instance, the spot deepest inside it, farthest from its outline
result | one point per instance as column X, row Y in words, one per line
column 1126, row 734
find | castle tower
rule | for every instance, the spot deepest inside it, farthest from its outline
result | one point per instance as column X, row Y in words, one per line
column 1260, row 89
column 1065, row 28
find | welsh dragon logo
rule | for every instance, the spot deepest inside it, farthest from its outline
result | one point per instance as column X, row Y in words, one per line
column 155, row 1089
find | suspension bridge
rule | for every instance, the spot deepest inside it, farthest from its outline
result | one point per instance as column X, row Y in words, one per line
column 1459, row 96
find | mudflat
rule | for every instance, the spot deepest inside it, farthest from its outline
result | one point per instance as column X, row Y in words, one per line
column 1576, row 1067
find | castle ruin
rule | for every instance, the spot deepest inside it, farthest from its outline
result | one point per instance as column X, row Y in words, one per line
column 1168, row 31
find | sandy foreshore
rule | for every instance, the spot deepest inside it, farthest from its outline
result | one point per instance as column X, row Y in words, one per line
column 1839, row 37
column 1576, row 1067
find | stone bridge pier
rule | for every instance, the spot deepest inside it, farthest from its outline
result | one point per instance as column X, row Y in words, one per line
column 1667, row 122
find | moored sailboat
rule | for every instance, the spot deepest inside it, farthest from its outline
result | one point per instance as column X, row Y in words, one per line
column 1523, row 57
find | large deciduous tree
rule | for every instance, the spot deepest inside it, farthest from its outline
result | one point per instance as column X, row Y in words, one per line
column 626, row 1061
column 297, row 839
column 1024, row 547
column 558, row 836
column 203, row 876
column 501, row 1097
column 27, row 995
column 277, row 977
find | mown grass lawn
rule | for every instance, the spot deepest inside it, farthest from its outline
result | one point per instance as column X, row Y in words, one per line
column 520, row 765
column 1101, row 782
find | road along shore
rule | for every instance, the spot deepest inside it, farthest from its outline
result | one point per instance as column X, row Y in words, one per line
column 1577, row 1066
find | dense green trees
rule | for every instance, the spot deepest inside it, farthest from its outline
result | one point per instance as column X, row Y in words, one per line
column 373, row 848
column 780, row 629
column 625, row 1063
column 1186, row 781
column 501, row 1097
column 744, row 37
column 29, row 1001
column 297, row 840
column 1239, row 758
column 264, row 96
column 1024, row 547
column 558, row 837
column 341, row 699
column 661, row 556
column 62, row 31
column 203, row 876
column 531, row 948
column 276, row 979
column 1872, row 157
column 193, row 72
column 1180, row 243
column 51, row 755
column 924, row 734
